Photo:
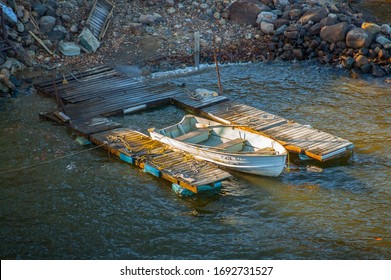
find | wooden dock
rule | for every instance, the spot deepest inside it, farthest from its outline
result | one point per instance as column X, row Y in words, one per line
column 86, row 99
column 183, row 170
column 296, row 138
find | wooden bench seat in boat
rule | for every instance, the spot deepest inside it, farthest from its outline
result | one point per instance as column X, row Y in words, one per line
column 266, row 151
column 234, row 145
column 194, row 137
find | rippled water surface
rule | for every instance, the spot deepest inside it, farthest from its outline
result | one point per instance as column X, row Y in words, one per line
column 91, row 206
column 381, row 9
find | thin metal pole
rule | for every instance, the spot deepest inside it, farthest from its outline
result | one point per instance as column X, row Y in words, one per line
column 217, row 68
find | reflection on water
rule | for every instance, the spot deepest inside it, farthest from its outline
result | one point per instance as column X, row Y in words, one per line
column 93, row 206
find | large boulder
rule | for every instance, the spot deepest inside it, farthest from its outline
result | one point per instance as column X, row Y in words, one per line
column 246, row 11
column 358, row 38
column 314, row 14
column 334, row 33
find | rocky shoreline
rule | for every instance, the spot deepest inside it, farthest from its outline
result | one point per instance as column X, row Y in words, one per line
column 158, row 35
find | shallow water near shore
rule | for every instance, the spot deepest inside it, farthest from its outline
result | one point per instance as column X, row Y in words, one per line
column 91, row 206
column 380, row 9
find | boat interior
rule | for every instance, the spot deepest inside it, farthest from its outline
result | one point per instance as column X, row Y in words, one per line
column 217, row 136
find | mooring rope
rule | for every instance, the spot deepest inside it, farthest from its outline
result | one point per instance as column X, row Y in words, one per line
column 52, row 160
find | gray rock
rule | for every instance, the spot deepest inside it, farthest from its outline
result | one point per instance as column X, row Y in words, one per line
column 40, row 9
column 48, row 43
column 377, row 71
column 382, row 40
column 360, row 61
column 384, row 54
column 216, row 15
column 280, row 3
column 267, row 27
column 151, row 19
column 169, row 3
column 58, row 33
column 69, row 48
column 314, row 14
column 136, row 28
column 349, row 63
column 246, row 11
column 20, row 26
column 298, row 54
column 385, row 29
column 315, row 29
column 280, row 30
column 278, row 13
column 295, row 14
column 371, row 27
column 327, row 21
column 334, row 33
column 280, row 22
column 266, row 17
column 46, row 23
column 74, row 28
column 8, row 64
column 88, row 40
column 358, row 38
column 66, row 18
column 52, row 4
column 294, row 31
column 171, row 10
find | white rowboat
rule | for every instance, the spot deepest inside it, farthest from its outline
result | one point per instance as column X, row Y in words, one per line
column 224, row 145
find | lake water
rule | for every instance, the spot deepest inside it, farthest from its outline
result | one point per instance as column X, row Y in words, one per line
column 381, row 9
column 91, row 206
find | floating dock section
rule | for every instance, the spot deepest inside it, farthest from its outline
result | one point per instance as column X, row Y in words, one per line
column 85, row 99
column 296, row 137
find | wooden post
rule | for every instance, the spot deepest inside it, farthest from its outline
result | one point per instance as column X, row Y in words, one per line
column 217, row 68
column 197, row 49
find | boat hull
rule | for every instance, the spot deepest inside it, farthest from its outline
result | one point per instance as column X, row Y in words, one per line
column 225, row 145
column 262, row 165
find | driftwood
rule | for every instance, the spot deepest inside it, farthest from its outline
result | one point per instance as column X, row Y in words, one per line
column 41, row 43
